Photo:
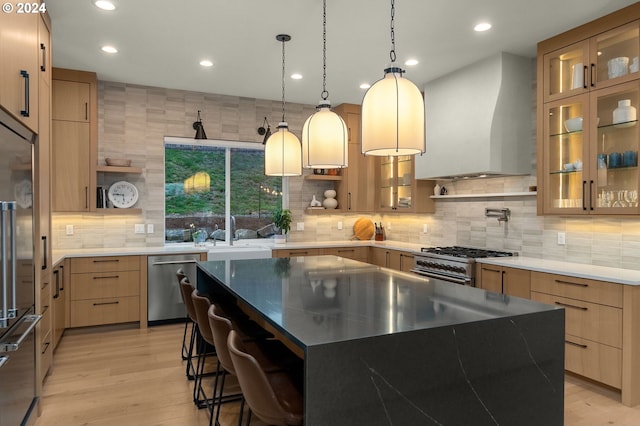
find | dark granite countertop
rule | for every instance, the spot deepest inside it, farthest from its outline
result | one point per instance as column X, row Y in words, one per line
column 316, row 300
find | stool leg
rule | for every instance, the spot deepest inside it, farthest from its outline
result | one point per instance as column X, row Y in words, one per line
column 189, row 370
column 185, row 349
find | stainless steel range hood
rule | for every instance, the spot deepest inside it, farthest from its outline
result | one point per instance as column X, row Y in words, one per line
column 479, row 120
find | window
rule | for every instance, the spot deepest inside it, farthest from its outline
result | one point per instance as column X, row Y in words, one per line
column 215, row 186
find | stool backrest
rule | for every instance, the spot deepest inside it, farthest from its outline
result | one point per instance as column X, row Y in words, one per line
column 201, row 305
column 186, row 288
column 256, row 388
column 221, row 327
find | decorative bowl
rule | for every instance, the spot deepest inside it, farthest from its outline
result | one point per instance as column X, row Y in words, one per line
column 118, row 162
column 573, row 124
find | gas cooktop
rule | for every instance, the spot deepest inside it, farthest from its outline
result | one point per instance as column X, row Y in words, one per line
column 466, row 252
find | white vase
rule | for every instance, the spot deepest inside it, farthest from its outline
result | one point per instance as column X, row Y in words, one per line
column 330, row 201
column 624, row 113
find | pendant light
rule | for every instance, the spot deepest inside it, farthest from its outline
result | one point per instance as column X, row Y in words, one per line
column 282, row 151
column 393, row 112
column 324, row 134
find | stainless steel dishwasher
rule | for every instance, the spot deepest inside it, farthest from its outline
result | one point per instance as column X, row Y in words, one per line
column 164, row 301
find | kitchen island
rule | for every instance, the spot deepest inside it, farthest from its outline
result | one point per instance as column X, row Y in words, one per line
column 383, row 347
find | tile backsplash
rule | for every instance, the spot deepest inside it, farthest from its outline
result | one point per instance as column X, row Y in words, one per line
column 133, row 120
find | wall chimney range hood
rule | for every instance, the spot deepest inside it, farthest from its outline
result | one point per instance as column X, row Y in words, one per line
column 479, row 121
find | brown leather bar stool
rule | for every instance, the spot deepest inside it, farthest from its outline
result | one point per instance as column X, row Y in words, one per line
column 205, row 348
column 275, row 397
column 186, row 288
column 188, row 323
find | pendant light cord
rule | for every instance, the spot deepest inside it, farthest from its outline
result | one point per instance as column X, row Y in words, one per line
column 392, row 53
column 283, row 101
column 324, row 93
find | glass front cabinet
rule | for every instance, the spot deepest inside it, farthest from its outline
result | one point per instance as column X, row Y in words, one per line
column 590, row 134
column 397, row 189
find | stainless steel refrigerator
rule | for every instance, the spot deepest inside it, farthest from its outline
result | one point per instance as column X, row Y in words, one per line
column 17, row 291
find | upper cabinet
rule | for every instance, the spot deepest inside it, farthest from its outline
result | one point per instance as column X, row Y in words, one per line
column 587, row 133
column 606, row 59
column 398, row 190
column 19, row 66
column 355, row 190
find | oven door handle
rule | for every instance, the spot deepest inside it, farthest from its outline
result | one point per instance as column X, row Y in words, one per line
column 10, row 345
column 442, row 277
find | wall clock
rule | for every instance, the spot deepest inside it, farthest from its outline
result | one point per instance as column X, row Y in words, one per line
column 123, row 194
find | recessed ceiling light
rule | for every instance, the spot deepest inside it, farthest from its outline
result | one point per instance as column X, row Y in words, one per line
column 365, row 86
column 206, row 63
column 296, row 76
column 411, row 62
column 104, row 5
column 109, row 49
column 482, row 26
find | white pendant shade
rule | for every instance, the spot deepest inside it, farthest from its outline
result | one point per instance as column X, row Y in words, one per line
column 283, row 153
column 324, row 140
column 199, row 182
column 393, row 117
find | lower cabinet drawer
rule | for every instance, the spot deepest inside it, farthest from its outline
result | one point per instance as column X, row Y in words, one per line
column 598, row 323
column 45, row 323
column 46, row 356
column 105, row 284
column 596, row 361
column 104, row 311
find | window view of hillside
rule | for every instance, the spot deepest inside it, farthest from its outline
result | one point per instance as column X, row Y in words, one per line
column 195, row 196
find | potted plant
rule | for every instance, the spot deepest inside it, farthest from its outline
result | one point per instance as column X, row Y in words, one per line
column 282, row 223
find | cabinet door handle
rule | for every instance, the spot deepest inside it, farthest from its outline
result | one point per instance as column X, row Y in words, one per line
column 349, row 201
column 298, row 253
column 572, row 283
column 61, row 277
column 57, row 278
column 584, row 77
column 86, row 197
column 593, row 78
column 46, row 346
column 86, row 110
column 106, row 303
column 569, row 342
column 43, row 48
column 25, row 111
column 490, row 270
column 349, row 134
column 345, row 250
column 584, row 194
column 567, row 305
column 591, row 195
column 44, row 252
column 106, row 260
column 106, row 277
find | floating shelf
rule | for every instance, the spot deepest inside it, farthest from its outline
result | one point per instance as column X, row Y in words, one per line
column 323, row 177
column 323, row 211
column 487, row 195
column 115, row 169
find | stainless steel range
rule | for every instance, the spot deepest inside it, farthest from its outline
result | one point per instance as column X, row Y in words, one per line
column 455, row 264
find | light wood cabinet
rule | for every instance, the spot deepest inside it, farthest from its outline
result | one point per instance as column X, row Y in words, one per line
column 104, row 290
column 392, row 259
column 59, row 303
column 502, row 279
column 355, row 191
column 593, row 323
column 19, row 50
column 355, row 253
column 584, row 76
column 398, row 191
column 74, row 140
column 296, row 252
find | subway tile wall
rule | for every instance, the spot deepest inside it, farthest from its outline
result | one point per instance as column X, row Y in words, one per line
column 133, row 120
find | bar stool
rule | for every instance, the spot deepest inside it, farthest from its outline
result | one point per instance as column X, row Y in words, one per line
column 205, row 349
column 275, row 397
column 186, row 288
column 187, row 321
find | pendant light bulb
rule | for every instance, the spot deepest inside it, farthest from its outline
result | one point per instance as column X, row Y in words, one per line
column 282, row 151
column 393, row 118
column 325, row 143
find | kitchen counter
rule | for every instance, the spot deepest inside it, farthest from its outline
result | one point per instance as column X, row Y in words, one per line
column 593, row 272
column 406, row 349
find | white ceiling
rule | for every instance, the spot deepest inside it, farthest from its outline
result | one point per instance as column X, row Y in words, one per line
column 162, row 41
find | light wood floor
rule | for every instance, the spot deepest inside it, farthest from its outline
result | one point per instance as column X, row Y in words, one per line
column 135, row 377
